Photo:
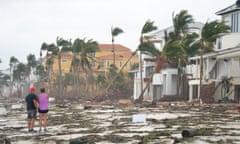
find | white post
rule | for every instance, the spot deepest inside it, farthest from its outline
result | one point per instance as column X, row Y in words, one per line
column 190, row 93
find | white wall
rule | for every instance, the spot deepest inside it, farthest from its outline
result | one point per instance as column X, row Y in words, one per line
column 168, row 79
column 236, row 67
column 227, row 19
column 223, row 69
column 137, row 90
column 229, row 41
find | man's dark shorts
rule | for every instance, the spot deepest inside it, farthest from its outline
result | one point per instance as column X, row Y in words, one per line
column 32, row 114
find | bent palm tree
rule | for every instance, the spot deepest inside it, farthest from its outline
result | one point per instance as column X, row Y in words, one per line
column 181, row 23
column 84, row 54
column 177, row 43
column 210, row 32
column 147, row 27
column 31, row 63
column 13, row 62
column 115, row 32
column 56, row 51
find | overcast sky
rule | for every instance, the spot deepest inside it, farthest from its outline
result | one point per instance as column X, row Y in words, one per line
column 26, row 24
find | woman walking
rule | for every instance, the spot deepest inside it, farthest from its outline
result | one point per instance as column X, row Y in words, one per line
column 43, row 109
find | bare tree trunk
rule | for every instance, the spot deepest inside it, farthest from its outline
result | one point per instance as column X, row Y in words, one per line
column 160, row 63
column 201, row 72
column 140, row 72
column 111, row 82
column 113, row 50
column 60, row 76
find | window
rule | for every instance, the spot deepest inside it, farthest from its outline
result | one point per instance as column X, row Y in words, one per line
column 101, row 65
column 219, row 43
column 149, row 71
column 63, row 60
column 120, row 64
column 92, row 54
column 108, row 64
column 235, row 22
column 93, row 64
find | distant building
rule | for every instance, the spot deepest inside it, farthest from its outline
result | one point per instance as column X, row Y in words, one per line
column 103, row 60
column 105, row 57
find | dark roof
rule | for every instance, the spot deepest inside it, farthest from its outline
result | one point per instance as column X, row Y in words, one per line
column 229, row 9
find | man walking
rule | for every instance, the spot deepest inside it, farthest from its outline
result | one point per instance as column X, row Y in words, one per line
column 32, row 106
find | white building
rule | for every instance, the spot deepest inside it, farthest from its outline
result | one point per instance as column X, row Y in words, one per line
column 164, row 83
column 220, row 66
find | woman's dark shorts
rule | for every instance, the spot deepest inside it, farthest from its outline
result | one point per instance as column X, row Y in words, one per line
column 42, row 111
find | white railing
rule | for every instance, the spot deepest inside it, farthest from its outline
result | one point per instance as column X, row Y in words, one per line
column 193, row 70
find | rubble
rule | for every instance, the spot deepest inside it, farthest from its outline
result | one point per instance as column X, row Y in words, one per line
column 96, row 122
column 3, row 111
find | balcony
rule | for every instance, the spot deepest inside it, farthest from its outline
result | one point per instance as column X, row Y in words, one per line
column 193, row 71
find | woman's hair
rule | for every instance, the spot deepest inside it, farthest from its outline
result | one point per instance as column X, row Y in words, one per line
column 42, row 90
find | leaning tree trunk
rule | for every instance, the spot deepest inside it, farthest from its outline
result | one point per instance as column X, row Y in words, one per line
column 114, row 78
column 160, row 63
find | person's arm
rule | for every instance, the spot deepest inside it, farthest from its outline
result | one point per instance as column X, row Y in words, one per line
column 26, row 102
column 35, row 101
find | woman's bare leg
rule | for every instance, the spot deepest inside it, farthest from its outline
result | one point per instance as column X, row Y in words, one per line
column 45, row 120
column 40, row 121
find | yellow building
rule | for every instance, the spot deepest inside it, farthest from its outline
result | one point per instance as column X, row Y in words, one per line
column 66, row 61
column 104, row 58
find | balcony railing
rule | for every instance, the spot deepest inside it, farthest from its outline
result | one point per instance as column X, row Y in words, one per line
column 193, row 70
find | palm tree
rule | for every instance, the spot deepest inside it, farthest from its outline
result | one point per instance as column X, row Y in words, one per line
column 84, row 53
column 115, row 32
column 147, row 27
column 31, row 63
column 181, row 23
column 19, row 76
column 41, row 73
column 56, row 51
column 149, row 48
column 49, row 60
column 13, row 62
column 178, row 43
column 61, row 43
column 210, row 32
column 4, row 81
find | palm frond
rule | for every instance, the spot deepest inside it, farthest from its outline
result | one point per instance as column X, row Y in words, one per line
column 148, row 27
column 181, row 22
column 116, row 31
column 148, row 48
column 211, row 31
